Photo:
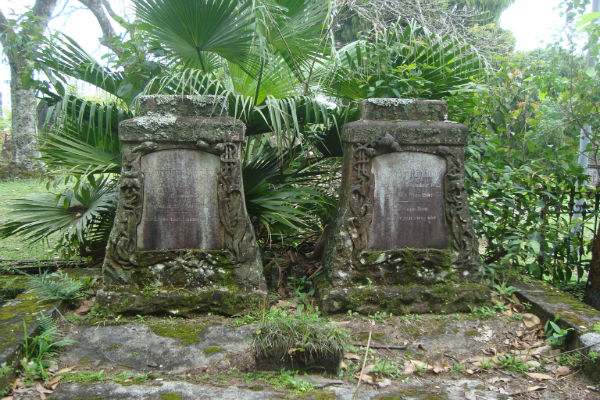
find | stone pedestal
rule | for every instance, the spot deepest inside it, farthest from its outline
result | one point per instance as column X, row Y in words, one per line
column 181, row 240
column 402, row 240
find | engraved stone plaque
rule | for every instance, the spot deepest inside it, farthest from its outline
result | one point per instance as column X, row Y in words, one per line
column 180, row 201
column 408, row 202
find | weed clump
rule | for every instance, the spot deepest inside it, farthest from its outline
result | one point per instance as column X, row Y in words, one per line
column 298, row 340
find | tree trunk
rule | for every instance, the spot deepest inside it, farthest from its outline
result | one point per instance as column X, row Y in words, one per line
column 23, row 101
column 23, row 150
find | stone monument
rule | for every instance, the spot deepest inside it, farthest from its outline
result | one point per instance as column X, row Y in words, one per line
column 402, row 240
column 182, row 240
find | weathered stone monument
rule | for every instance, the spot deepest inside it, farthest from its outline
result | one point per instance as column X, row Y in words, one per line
column 402, row 240
column 182, row 240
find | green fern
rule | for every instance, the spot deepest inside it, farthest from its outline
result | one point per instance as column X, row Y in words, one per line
column 38, row 348
column 56, row 286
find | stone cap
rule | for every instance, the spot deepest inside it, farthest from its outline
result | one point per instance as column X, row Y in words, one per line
column 386, row 109
column 183, row 105
column 169, row 128
column 406, row 132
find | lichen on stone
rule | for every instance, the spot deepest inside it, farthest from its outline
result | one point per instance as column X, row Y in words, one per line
column 152, row 121
column 390, row 102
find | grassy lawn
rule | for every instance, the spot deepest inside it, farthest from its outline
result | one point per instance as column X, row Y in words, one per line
column 14, row 248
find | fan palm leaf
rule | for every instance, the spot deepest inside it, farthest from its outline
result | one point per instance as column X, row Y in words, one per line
column 68, row 214
column 297, row 30
column 190, row 28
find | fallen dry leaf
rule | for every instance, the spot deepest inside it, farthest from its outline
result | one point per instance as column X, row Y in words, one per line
column 62, row 371
column 535, row 388
column 351, row 356
column 562, row 371
column 441, row 366
column 538, row 376
column 474, row 359
column 541, row 350
column 420, row 364
column 369, row 368
column 531, row 321
column 286, row 304
column 85, row 307
column 344, row 366
column 366, row 378
column 341, row 323
column 54, row 382
column 42, row 389
column 409, row 369
column 469, row 371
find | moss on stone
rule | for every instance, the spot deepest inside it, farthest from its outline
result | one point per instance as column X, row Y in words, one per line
column 404, row 299
column 212, row 350
column 314, row 395
column 216, row 299
column 170, row 396
column 413, row 393
column 187, row 332
column 404, row 266
column 377, row 336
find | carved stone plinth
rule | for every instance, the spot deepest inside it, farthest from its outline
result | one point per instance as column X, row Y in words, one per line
column 182, row 240
column 403, row 222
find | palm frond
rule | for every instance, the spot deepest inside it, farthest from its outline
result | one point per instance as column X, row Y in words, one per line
column 189, row 28
column 68, row 155
column 63, row 58
column 297, row 30
column 69, row 214
column 280, row 191
column 92, row 122
column 401, row 62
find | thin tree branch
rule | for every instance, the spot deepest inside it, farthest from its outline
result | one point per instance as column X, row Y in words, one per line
column 108, row 33
column 43, row 10
column 4, row 29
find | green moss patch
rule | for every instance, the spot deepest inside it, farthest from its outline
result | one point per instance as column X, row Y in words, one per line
column 217, row 299
column 170, row 396
column 406, row 299
column 212, row 350
column 187, row 332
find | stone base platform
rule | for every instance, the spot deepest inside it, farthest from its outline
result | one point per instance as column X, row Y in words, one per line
column 216, row 300
column 405, row 299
